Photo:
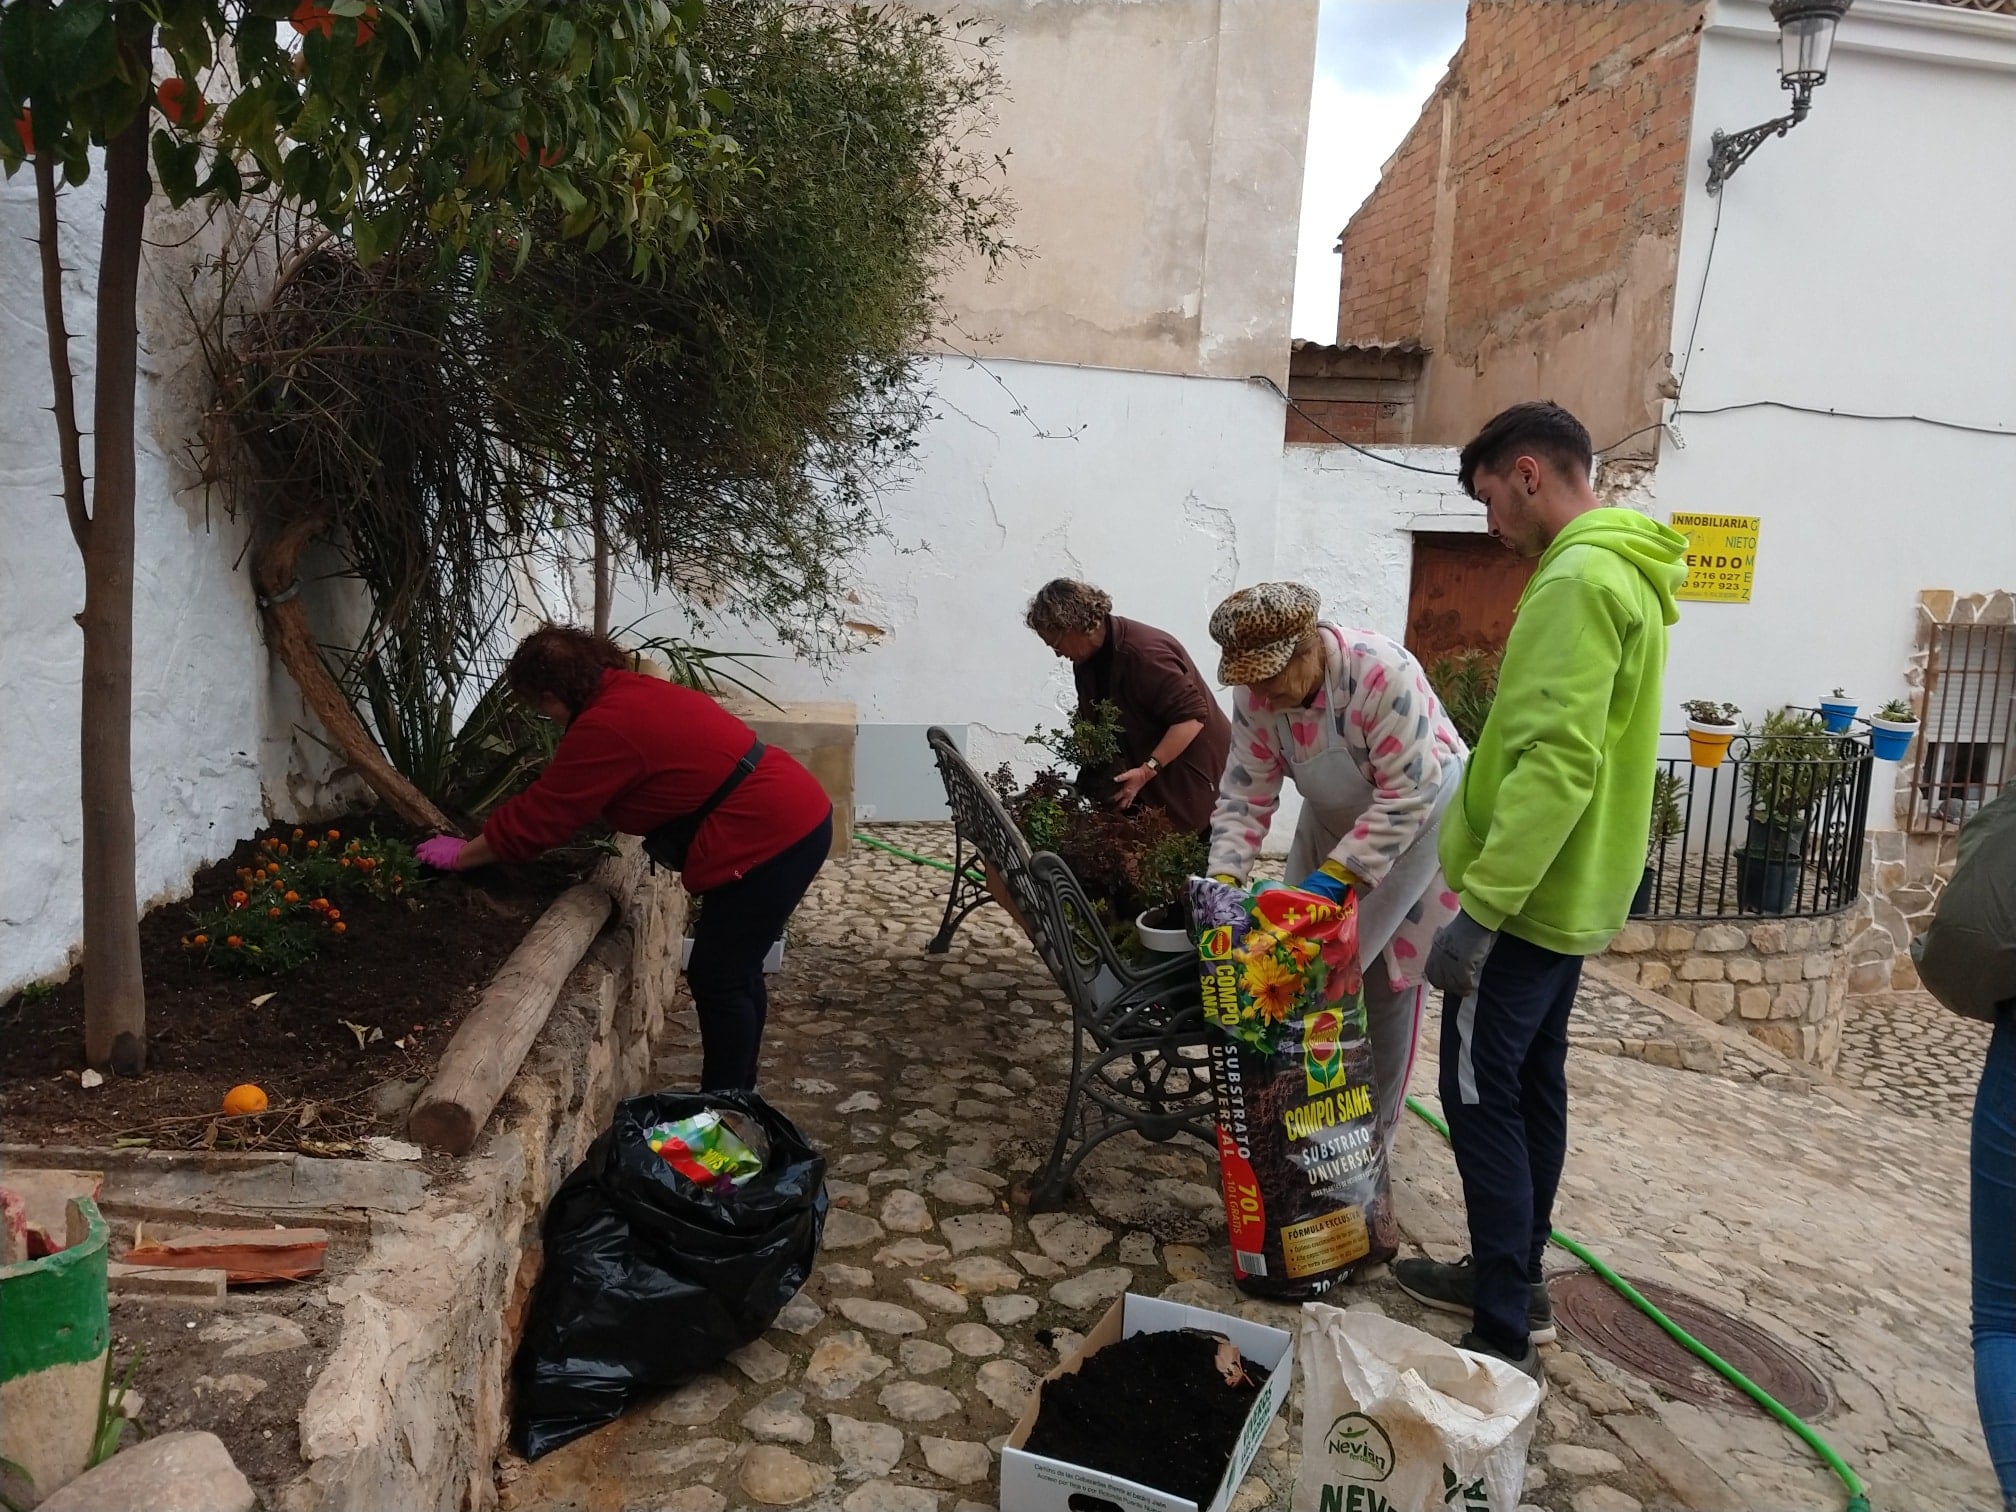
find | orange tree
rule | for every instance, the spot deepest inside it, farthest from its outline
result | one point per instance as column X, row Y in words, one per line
column 415, row 128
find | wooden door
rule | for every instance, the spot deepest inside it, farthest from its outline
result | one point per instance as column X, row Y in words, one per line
column 1463, row 595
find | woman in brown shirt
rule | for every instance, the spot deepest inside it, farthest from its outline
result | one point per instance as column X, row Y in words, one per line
column 1174, row 738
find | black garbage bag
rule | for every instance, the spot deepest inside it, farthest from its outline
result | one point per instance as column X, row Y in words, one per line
column 649, row 1277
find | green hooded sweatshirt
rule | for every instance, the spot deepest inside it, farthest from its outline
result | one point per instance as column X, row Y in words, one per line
column 1546, row 840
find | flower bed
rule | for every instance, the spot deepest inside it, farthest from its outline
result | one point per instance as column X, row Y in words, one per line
column 365, row 1010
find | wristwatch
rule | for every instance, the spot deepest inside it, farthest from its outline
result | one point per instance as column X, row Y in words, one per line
column 1152, row 764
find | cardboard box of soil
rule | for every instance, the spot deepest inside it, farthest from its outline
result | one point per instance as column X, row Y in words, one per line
column 1150, row 1425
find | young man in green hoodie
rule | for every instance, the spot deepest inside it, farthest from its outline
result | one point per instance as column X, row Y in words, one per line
column 1544, row 845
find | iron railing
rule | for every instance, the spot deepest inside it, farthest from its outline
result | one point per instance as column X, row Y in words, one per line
column 1774, row 831
column 1962, row 754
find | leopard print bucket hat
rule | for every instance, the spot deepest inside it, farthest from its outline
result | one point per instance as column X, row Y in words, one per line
column 1258, row 629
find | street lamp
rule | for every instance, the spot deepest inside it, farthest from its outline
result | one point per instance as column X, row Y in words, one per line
column 1805, row 38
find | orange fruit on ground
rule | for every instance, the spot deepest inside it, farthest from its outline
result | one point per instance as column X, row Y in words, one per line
column 245, row 1098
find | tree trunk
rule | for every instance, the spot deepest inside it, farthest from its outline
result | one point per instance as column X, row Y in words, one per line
column 604, row 587
column 291, row 638
column 115, row 1004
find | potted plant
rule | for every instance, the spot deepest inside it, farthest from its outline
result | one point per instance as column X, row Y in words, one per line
column 1787, row 767
column 1891, row 729
column 1134, row 864
column 1667, row 823
column 1710, row 728
column 1837, row 711
column 1465, row 683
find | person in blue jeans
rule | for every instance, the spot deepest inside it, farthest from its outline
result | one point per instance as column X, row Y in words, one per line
column 1967, row 959
column 1994, row 1239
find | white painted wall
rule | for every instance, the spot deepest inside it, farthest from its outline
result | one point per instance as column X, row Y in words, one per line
column 1863, row 264
column 214, row 728
column 1170, row 493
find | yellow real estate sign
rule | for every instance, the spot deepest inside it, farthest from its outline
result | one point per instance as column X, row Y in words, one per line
column 1721, row 557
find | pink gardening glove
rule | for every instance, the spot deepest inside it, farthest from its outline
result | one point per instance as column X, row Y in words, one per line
column 442, row 852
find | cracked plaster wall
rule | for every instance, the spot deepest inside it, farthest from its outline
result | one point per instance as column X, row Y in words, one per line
column 1168, row 492
column 216, row 733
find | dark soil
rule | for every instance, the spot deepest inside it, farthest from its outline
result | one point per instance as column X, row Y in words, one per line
column 410, row 968
column 1153, row 1409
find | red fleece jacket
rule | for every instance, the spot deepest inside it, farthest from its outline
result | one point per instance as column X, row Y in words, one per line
column 645, row 751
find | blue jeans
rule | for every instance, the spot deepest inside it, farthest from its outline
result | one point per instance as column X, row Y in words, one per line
column 1994, row 1233
column 1505, row 1093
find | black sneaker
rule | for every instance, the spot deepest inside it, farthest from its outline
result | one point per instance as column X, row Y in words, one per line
column 1528, row 1364
column 1453, row 1289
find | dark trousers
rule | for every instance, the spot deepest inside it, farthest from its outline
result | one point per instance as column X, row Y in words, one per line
column 1505, row 1095
column 738, row 924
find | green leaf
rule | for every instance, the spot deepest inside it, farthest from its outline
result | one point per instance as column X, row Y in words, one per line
column 224, row 180
column 175, row 166
column 559, row 39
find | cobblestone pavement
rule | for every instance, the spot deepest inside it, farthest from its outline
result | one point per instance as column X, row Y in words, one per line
column 933, row 1081
column 1913, row 1055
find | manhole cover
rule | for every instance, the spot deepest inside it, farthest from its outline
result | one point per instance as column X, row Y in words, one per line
column 1586, row 1306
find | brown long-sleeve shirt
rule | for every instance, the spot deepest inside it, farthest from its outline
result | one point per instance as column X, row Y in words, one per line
column 1150, row 678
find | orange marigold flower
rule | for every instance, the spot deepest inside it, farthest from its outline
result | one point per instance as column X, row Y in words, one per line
column 290, row 897
column 234, row 941
column 202, row 939
column 335, row 834
column 341, row 927
column 272, row 913
column 345, row 862
column 297, row 834
column 314, row 845
column 320, row 903
column 283, row 850
column 335, row 913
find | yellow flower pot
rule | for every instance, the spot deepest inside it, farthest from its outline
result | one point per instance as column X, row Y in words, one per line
column 1709, row 744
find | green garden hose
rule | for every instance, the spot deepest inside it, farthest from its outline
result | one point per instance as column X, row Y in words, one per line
column 1858, row 1496
column 894, row 850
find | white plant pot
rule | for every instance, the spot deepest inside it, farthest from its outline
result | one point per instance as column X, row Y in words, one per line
column 772, row 963
column 1162, row 941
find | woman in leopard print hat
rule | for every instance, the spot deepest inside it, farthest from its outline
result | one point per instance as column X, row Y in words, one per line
column 1347, row 716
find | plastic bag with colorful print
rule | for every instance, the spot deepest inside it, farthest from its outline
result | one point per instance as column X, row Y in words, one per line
column 1299, row 1155
column 1269, row 957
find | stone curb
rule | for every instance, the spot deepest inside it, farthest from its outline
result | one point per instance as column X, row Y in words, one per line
column 1798, row 1075
column 410, row 1409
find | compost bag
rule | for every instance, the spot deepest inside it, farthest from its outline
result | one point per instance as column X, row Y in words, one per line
column 651, row 1276
column 1299, row 1154
column 1393, row 1418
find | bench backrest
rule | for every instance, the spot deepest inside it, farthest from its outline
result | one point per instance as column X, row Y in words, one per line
column 1105, row 989
column 985, row 825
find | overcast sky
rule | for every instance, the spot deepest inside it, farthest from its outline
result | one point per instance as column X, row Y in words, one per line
column 1376, row 61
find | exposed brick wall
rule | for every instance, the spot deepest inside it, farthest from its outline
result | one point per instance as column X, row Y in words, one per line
column 1564, row 184
column 1368, row 422
column 1385, row 279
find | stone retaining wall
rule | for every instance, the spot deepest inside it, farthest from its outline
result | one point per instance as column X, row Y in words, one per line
column 1783, row 981
column 410, row 1410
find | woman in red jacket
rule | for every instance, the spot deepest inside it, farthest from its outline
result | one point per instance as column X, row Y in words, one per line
column 746, row 826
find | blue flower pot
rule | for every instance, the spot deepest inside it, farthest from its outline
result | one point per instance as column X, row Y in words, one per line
column 1837, row 715
column 1889, row 740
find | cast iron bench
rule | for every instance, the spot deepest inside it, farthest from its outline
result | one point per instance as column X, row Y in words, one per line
column 1139, row 1043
